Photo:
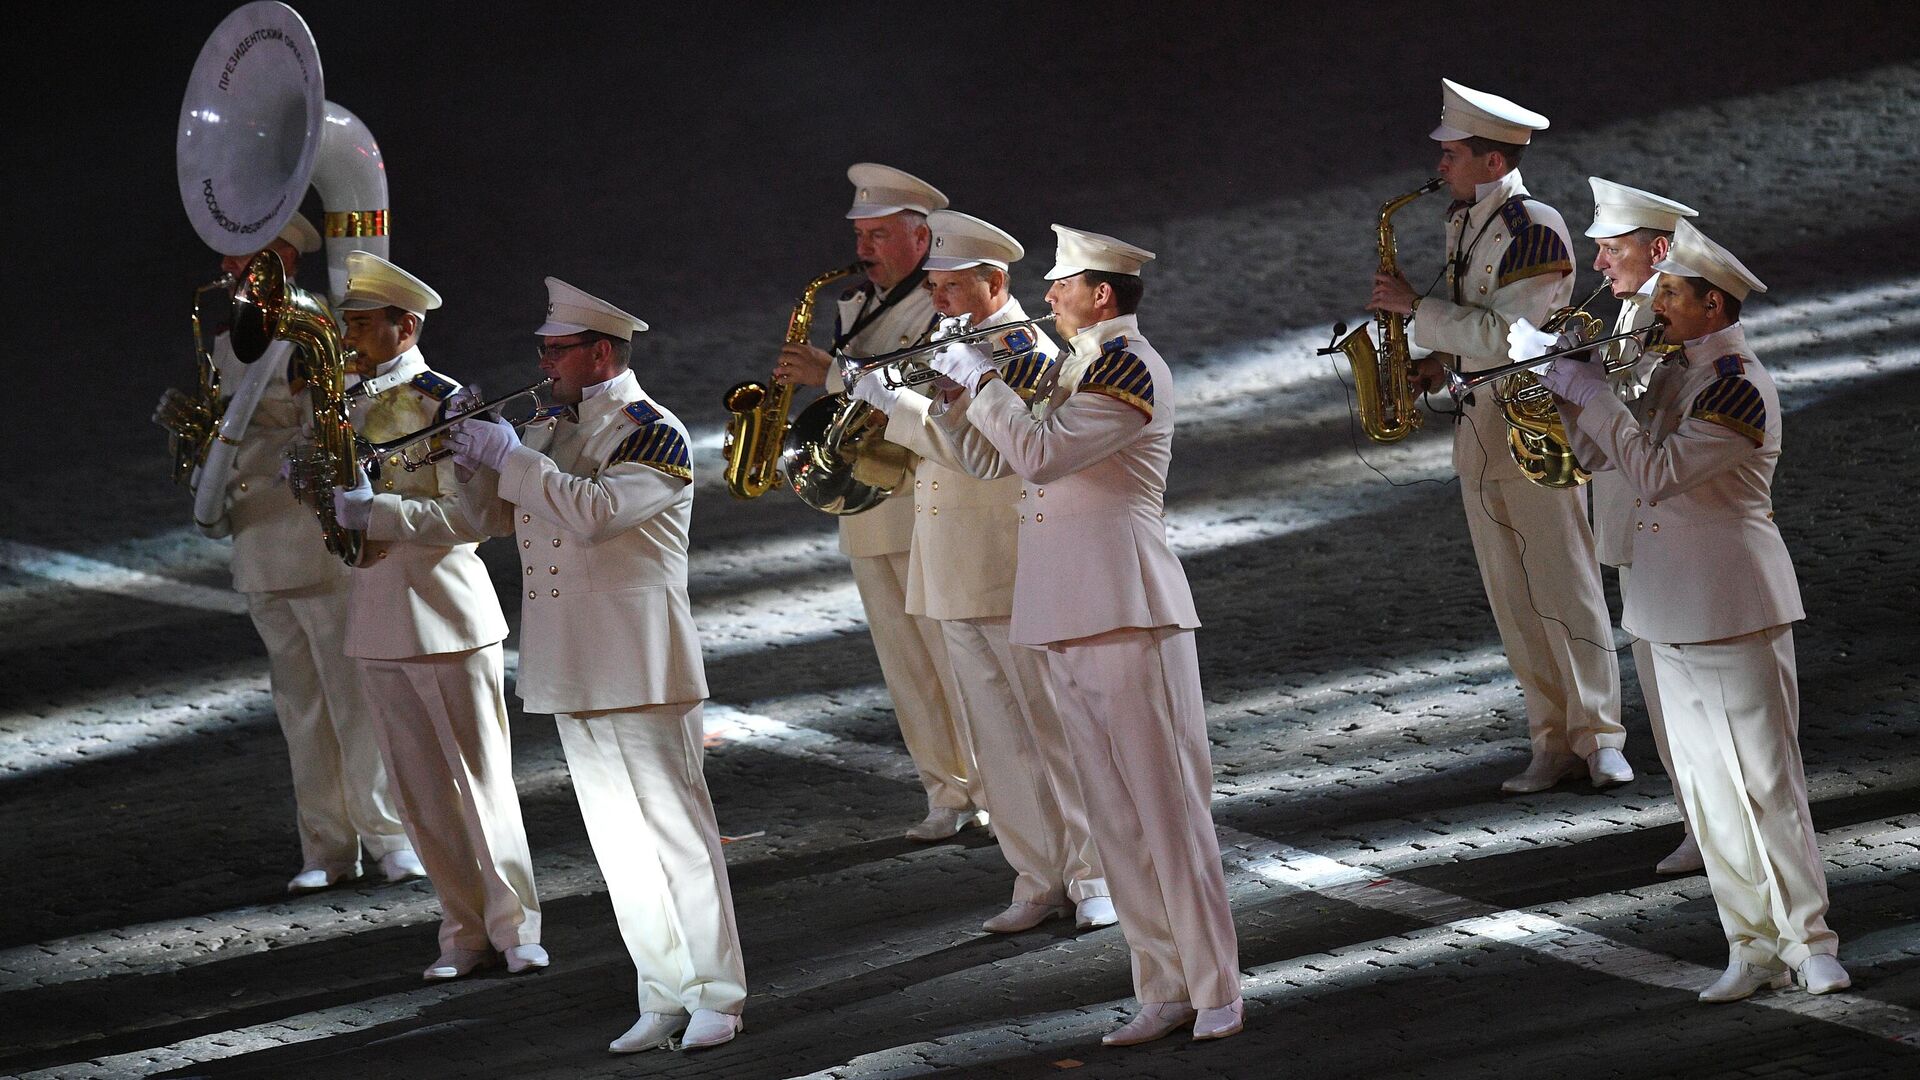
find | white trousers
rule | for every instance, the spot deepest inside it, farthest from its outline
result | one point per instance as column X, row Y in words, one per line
column 443, row 732
column 1131, row 705
column 638, row 775
column 1656, row 715
column 1733, row 715
column 340, row 796
column 1537, row 565
column 1025, row 768
column 913, row 661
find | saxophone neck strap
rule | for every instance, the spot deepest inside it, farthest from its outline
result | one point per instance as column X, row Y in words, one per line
column 898, row 293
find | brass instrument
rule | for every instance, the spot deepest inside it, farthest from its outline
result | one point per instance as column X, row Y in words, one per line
column 1381, row 376
column 269, row 308
column 191, row 421
column 903, row 368
column 395, row 451
column 1653, row 334
column 758, row 425
column 837, row 458
column 1536, row 437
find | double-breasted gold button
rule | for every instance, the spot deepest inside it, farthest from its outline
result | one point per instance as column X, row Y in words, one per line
column 553, row 569
column 1038, row 518
column 394, row 460
column 526, row 543
column 1483, row 290
column 919, row 483
column 556, row 541
column 1656, row 526
column 935, row 485
column 934, row 512
column 1636, row 502
column 525, row 518
column 531, row 594
column 1040, row 493
column 1639, row 525
column 529, row 571
column 1489, row 268
column 243, row 485
column 381, row 554
column 1023, row 493
column 387, row 484
column 1023, row 519
column 556, row 592
column 1652, row 503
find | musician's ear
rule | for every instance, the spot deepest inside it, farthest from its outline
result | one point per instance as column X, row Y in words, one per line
column 1657, row 251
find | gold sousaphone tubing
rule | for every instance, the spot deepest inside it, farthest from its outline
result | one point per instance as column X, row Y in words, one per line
column 917, row 372
column 373, row 454
column 1571, row 344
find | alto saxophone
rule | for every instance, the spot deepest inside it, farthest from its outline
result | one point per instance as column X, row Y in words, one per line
column 1381, row 376
column 758, row 425
column 191, row 421
column 1536, row 436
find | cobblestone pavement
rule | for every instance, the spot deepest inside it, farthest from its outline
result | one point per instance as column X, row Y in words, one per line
column 1396, row 916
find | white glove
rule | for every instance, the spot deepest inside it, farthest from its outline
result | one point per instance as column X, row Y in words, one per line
column 481, row 443
column 1574, row 381
column 873, row 390
column 353, row 507
column 951, row 326
column 964, row 364
column 1524, row 342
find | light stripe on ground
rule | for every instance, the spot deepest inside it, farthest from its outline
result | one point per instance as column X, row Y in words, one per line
column 93, row 575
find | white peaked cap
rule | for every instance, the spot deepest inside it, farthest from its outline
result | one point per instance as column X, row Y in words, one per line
column 962, row 240
column 1693, row 254
column 373, row 282
column 300, row 232
column 879, row 190
column 570, row 311
column 1619, row 209
column 1079, row 250
column 1466, row 112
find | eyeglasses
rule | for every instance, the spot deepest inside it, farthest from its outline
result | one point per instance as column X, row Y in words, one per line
column 554, row 352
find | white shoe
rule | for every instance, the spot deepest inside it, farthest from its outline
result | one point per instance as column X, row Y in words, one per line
column 1741, row 979
column 1094, row 912
column 1221, row 1022
column 309, row 881
column 524, row 957
column 1821, row 973
column 1608, row 767
column 942, row 822
column 1544, row 771
column 652, row 1030
column 1021, row 915
column 709, row 1029
column 1684, row 860
column 402, row 865
column 1156, row 1020
column 457, row 963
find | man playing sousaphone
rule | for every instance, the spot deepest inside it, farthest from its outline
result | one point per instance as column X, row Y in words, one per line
column 297, row 597
column 886, row 312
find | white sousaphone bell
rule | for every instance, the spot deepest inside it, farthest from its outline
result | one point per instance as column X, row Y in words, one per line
column 255, row 131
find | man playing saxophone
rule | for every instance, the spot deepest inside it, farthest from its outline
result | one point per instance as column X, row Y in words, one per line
column 426, row 627
column 961, row 573
column 1632, row 230
column 297, row 597
column 888, row 311
column 1508, row 258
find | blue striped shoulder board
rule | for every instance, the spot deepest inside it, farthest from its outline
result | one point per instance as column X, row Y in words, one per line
column 1027, row 366
column 1535, row 248
column 653, row 443
column 1732, row 401
column 1121, row 375
column 434, row 385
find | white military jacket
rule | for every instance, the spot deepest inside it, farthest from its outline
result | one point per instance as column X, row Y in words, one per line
column 1611, row 495
column 276, row 540
column 1699, row 450
column 1093, row 552
column 600, row 510
column 1509, row 257
column 964, row 529
column 421, row 588
column 886, row 529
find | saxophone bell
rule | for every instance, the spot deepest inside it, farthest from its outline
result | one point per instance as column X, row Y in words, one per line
column 1382, row 380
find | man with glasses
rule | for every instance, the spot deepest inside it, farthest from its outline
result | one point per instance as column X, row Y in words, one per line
column 426, row 626
column 600, row 499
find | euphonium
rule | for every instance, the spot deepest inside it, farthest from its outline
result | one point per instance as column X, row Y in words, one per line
column 1536, row 437
column 268, row 308
column 1381, row 375
column 758, row 425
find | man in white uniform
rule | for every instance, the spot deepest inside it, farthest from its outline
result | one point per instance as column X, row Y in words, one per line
column 1632, row 229
column 600, row 499
column 1714, row 590
column 961, row 574
column 423, row 620
column 890, row 311
column 297, row 596
column 1509, row 258
column 1098, row 588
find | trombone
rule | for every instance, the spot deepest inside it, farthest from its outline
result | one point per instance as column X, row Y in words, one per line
column 395, row 451
column 902, row 368
column 1459, row 386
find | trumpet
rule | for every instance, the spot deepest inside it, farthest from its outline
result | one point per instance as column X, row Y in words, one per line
column 903, row 368
column 1460, row 385
column 395, row 451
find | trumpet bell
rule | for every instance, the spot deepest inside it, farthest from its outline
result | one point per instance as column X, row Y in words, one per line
column 250, row 126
